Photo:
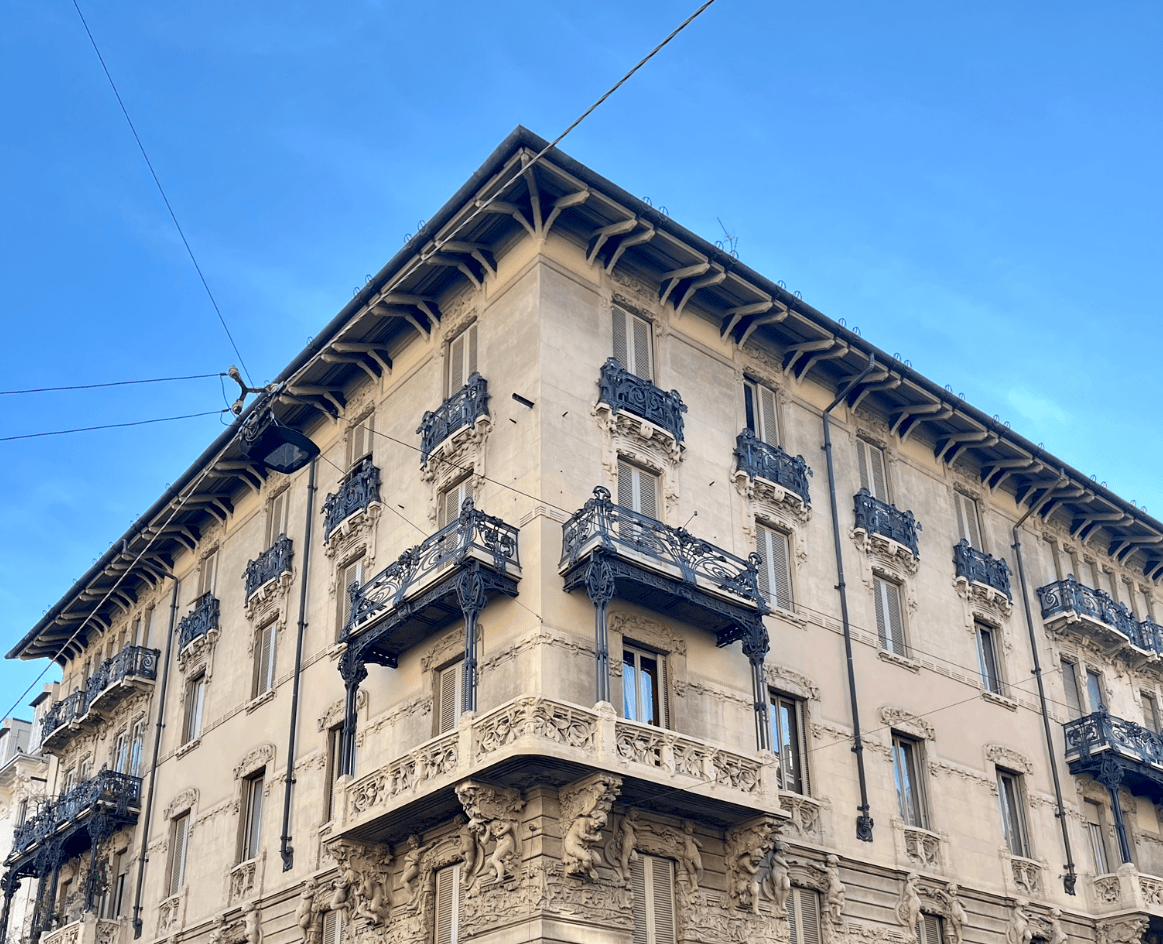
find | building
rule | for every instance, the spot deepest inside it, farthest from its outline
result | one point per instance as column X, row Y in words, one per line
column 629, row 598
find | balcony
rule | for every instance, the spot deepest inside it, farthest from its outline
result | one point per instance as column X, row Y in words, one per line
column 418, row 594
column 1099, row 744
column 100, row 805
column 132, row 670
column 1067, row 604
column 663, row 568
column 88, row 929
column 623, row 391
column 359, row 489
column 462, row 409
column 979, row 567
column 761, row 460
column 270, row 565
column 202, row 619
column 62, row 721
column 560, row 742
column 874, row 516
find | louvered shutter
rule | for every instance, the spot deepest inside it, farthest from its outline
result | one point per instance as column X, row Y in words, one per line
column 277, row 517
column 209, row 571
column 662, row 873
column 648, row 494
column 451, row 687
column 621, row 345
column 641, row 903
column 448, row 905
column 873, row 477
column 775, row 572
column 803, row 915
column 264, row 676
column 929, row 929
column 1070, row 683
column 462, row 359
column 968, row 523
column 333, row 927
column 452, row 501
column 625, row 484
column 178, row 853
column 637, row 489
column 889, row 619
column 334, row 768
column 652, row 882
column 641, row 336
column 770, row 429
column 351, row 573
column 663, row 688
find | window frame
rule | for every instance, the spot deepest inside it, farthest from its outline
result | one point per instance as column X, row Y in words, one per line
column 1150, row 705
column 1097, row 836
column 449, row 894
column 761, row 411
column 278, row 514
column 767, row 540
column 1011, row 796
column 645, row 874
column 794, row 739
column 342, row 584
column 796, row 913
column 179, row 852
column 334, row 928
column 1072, row 693
column 361, row 439
column 969, row 526
column 334, row 768
column 265, row 658
column 448, row 688
column 871, row 458
column 194, row 707
column 464, row 343
column 250, row 820
column 989, row 665
column 908, row 758
column 208, row 574
column 930, row 928
column 451, row 499
column 1095, row 687
column 629, row 484
column 660, row 703
column 897, row 643
column 632, row 333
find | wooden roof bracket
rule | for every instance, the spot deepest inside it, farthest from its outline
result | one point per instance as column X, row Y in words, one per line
column 563, row 203
column 599, row 236
column 675, row 276
column 717, row 277
column 633, row 239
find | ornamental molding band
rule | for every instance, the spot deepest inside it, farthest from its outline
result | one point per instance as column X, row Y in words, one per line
column 171, row 914
column 585, row 807
column 906, row 721
column 355, row 533
column 269, row 602
column 198, row 654
column 984, row 602
column 447, row 646
column 186, row 800
column 1008, row 757
column 261, row 756
column 1023, row 875
column 244, row 881
column 492, row 816
column 806, row 823
column 885, row 534
column 792, row 682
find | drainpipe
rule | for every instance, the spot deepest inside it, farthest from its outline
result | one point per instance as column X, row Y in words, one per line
column 285, row 849
column 143, row 858
column 863, row 821
column 1069, row 879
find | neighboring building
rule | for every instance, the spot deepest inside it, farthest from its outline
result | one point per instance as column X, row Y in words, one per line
column 550, row 644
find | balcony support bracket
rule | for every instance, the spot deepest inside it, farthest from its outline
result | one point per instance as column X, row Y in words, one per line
column 600, row 587
column 354, row 671
column 470, row 594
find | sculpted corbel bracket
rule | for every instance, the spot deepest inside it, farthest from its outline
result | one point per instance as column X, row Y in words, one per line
column 363, row 889
column 585, row 806
column 747, row 847
column 493, row 815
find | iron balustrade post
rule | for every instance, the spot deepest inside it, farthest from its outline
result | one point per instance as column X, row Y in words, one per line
column 354, row 671
column 755, row 646
column 470, row 594
column 38, row 900
column 11, row 883
column 600, row 589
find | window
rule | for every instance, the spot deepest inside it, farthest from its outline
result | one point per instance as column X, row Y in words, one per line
column 968, row 520
column 451, row 501
column 121, row 751
column 890, row 624
column 449, row 696
column 907, row 772
column 1094, row 690
column 85, row 769
column 264, row 659
column 644, row 686
column 803, row 914
column 652, row 880
column 349, row 573
column 334, row 768
column 637, row 489
column 359, row 439
column 987, row 661
column 1013, row 817
column 873, row 474
column 333, row 927
column 759, row 412
column 1150, row 711
column 462, row 359
column 251, row 825
column 277, row 516
column 449, row 899
column 22, row 812
column 632, row 344
column 208, row 574
column 114, row 894
column 930, row 929
column 136, row 741
column 775, row 571
column 195, row 705
column 787, row 741
column 1096, row 834
column 179, row 842
column 1070, row 684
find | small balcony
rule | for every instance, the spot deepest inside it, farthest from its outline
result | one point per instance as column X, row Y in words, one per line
column 978, row 567
column 761, row 460
column 460, row 410
column 132, row 670
column 417, row 594
column 357, row 491
column 663, row 568
column 1068, row 604
column 87, row 929
column 623, row 391
column 202, row 619
column 1101, row 740
column 61, row 723
column 270, row 565
column 876, row 517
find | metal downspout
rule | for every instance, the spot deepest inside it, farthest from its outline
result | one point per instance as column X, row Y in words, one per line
column 863, row 821
column 1069, row 879
column 143, row 858
column 286, row 851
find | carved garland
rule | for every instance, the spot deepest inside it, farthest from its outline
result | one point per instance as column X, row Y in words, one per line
column 907, row 722
column 186, row 800
column 1008, row 757
column 261, row 756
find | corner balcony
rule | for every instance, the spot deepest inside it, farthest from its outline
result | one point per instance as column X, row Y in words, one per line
column 62, row 722
column 269, row 565
column 1101, row 745
column 550, row 741
column 358, row 490
column 200, row 621
column 624, row 392
column 89, row 929
column 761, row 460
column 665, row 569
column 978, row 567
column 459, row 411
column 876, row 517
column 1096, row 615
column 85, row 816
column 132, row 670
column 420, row 592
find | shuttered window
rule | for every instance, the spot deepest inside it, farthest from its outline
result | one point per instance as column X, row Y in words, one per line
column 121, row 752
column 1096, row 834
column 1150, row 711
column 987, row 658
column 803, row 914
column 873, row 475
column 929, row 929
column 450, row 695
column 448, row 905
column 787, row 741
column 632, row 343
column 452, row 499
column 652, row 882
column 644, row 695
column 759, row 412
column 360, row 438
column 775, row 571
column 462, row 359
column 277, row 516
column 637, row 489
column 180, row 840
column 968, row 520
column 908, row 770
column 333, row 927
column 334, row 768
column 195, row 705
column 209, row 573
column 264, row 659
column 890, row 624
column 1013, row 812
column 251, row 825
column 1094, row 690
column 1070, row 684
column 350, row 573
column 136, row 742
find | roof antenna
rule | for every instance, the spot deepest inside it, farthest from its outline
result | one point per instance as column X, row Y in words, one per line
column 236, row 406
column 732, row 241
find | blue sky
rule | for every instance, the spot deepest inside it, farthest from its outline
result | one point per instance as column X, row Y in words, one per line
column 974, row 186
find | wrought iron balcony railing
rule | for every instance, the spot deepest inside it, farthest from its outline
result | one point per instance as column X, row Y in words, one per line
column 473, row 534
column 1069, row 597
column 622, row 390
column 460, row 409
column 117, row 792
column 272, row 562
column 763, row 461
column 130, row 662
column 600, row 524
column 878, row 517
column 359, row 489
column 978, row 567
column 1115, row 751
column 69, row 708
column 199, row 621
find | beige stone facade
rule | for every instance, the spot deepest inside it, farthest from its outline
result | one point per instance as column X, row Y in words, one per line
column 577, row 708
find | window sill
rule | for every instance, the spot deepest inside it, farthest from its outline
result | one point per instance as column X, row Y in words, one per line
column 903, row 661
column 996, row 699
column 187, row 747
column 259, row 700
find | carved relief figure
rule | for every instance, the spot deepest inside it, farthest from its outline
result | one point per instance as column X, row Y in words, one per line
column 470, row 851
column 1057, row 935
column 494, row 810
column 252, row 923
column 309, row 914
column 505, row 833
column 586, row 805
column 691, row 858
column 628, row 842
column 361, row 890
column 412, row 865
column 908, row 909
column 746, row 848
column 955, row 925
column 833, row 888
column 1019, row 930
column 218, row 931
column 778, row 879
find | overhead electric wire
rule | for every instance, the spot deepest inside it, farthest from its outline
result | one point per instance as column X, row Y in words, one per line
column 89, row 429
column 115, row 383
column 161, row 190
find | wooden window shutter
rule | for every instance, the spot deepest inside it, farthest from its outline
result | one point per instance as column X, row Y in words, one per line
column 1070, row 682
column 637, row 489
column 968, row 522
column 641, row 336
column 873, row 476
column 663, row 881
column 889, row 619
column 625, row 484
column 209, row 571
column 638, row 887
column 462, row 359
column 769, row 432
column 265, row 660
column 277, row 517
column 652, row 882
column 621, row 344
column 929, row 929
column 803, row 912
column 663, row 692
column 333, row 927
column 450, row 688
column 453, row 500
column 448, row 905
column 178, row 853
column 775, row 573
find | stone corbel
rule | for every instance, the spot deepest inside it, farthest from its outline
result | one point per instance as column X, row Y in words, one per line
column 585, row 806
column 493, row 812
column 747, row 846
column 363, row 889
